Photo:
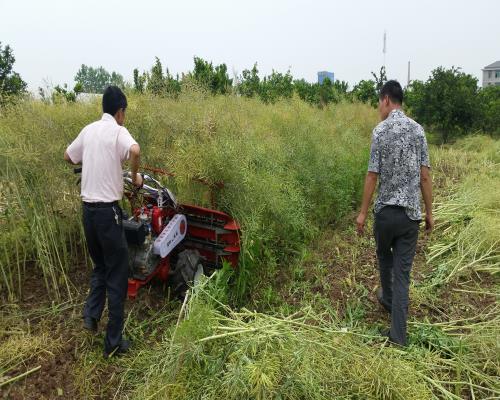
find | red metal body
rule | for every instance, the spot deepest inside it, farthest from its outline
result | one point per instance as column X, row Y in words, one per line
column 214, row 234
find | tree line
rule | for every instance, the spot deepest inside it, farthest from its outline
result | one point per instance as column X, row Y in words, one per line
column 449, row 102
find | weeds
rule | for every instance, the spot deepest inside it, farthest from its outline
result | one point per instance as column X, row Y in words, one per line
column 468, row 220
column 217, row 352
column 287, row 169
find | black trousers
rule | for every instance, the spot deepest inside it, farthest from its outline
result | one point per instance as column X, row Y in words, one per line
column 109, row 252
column 396, row 237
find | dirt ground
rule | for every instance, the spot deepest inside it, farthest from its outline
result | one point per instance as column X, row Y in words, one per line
column 71, row 350
column 343, row 268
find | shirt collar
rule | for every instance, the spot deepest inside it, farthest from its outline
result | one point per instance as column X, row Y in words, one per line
column 108, row 117
column 398, row 112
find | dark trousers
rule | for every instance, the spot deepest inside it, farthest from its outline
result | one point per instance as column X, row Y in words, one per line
column 109, row 252
column 396, row 237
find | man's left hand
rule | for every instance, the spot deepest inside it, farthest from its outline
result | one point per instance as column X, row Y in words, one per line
column 360, row 223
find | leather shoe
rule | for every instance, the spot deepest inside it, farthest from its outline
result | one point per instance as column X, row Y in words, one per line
column 90, row 324
column 381, row 300
column 386, row 333
column 119, row 350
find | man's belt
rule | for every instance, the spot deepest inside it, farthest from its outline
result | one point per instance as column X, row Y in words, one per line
column 100, row 204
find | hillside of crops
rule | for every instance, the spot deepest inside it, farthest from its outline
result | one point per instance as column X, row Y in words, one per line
column 298, row 319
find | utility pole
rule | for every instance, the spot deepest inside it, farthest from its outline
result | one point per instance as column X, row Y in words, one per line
column 384, row 49
column 409, row 80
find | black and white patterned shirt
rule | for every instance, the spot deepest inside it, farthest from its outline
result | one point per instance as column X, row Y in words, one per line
column 398, row 150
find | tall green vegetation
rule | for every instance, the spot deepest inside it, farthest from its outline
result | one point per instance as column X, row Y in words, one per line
column 11, row 84
column 288, row 169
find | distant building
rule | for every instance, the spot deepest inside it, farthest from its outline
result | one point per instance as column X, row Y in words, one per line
column 491, row 74
column 88, row 97
column 325, row 74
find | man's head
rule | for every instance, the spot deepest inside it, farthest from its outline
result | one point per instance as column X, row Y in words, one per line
column 114, row 103
column 390, row 98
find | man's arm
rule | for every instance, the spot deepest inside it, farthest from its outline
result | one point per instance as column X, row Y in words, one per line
column 370, row 185
column 68, row 159
column 74, row 153
column 426, row 188
column 135, row 159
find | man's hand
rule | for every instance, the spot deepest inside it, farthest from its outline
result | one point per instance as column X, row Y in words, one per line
column 360, row 223
column 429, row 223
column 135, row 159
column 137, row 180
column 370, row 184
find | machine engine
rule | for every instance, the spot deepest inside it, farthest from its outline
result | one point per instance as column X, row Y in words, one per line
column 146, row 246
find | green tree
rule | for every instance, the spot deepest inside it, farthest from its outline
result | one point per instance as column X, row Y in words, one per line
column 156, row 80
column 307, row 91
column 447, row 102
column 329, row 92
column 366, row 91
column 489, row 102
column 95, row 80
column 380, row 79
column 172, row 85
column 276, row 86
column 62, row 93
column 215, row 79
column 341, row 87
column 321, row 94
column 139, row 81
column 11, row 83
column 414, row 102
column 249, row 85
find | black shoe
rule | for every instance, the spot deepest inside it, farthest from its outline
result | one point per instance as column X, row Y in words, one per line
column 381, row 300
column 119, row 350
column 90, row 324
column 386, row 333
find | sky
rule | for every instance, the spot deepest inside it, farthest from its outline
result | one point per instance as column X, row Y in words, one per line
column 51, row 39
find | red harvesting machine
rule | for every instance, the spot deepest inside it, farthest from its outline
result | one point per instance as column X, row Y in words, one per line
column 173, row 242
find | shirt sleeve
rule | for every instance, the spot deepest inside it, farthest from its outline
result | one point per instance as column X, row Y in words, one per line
column 75, row 149
column 124, row 142
column 424, row 151
column 374, row 163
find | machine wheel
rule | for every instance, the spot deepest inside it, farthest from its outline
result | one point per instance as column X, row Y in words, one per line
column 187, row 272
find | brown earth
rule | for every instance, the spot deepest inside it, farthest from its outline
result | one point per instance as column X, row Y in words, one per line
column 72, row 345
column 343, row 268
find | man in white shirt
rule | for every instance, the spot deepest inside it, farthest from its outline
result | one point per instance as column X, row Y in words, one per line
column 102, row 147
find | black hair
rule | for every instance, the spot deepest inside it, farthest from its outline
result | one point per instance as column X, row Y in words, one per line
column 392, row 89
column 113, row 99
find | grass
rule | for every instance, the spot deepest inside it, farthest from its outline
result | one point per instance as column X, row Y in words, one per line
column 217, row 352
column 287, row 169
column 308, row 328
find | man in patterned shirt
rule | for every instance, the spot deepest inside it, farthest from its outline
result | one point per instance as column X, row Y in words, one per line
column 399, row 160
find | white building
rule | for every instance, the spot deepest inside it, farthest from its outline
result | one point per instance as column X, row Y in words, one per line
column 491, row 74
